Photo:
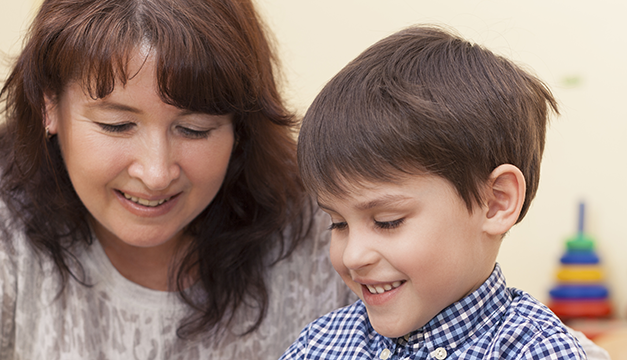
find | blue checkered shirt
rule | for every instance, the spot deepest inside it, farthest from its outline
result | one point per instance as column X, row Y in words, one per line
column 494, row 322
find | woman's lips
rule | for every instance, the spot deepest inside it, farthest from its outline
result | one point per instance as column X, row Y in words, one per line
column 146, row 207
column 145, row 202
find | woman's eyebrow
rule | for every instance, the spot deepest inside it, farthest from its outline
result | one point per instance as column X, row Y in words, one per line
column 108, row 105
column 114, row 106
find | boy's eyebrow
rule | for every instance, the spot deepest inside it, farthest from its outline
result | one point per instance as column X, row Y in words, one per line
column 383, row 200
column 367, row 205
column 324, row 207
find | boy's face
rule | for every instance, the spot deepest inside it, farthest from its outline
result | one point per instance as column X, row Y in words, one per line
column 408, row 249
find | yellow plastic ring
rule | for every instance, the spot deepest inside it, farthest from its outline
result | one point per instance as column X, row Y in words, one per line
column 580, row 273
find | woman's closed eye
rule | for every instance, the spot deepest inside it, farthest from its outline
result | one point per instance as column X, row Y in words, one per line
column 192, row 133
column 388, row 225
column 184, row 131
column 116, row 128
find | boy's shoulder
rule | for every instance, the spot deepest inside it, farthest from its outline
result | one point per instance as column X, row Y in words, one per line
column 530, row 330
column 525, row 311
column 498, row 322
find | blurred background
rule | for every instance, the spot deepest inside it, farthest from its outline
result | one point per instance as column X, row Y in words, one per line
column 577, row 47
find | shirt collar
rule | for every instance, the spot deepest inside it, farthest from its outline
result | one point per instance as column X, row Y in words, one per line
column 460, row 321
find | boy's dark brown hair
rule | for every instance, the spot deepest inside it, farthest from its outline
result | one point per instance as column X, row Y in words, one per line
column 424, row 101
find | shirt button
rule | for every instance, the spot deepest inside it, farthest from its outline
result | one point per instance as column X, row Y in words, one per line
column 385, row 354
column 439, row 353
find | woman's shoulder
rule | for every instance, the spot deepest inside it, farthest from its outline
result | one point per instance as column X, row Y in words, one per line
column 309, row 262
column 301, row 287
column 14, row 247
column 318, row 238
column 16, row 263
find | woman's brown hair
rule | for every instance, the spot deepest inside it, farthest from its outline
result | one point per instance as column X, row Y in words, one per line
column 212, row 56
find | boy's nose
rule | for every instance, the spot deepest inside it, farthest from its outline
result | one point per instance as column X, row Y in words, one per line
column 359, row 252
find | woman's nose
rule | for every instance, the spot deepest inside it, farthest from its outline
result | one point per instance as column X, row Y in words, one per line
column 154, row 163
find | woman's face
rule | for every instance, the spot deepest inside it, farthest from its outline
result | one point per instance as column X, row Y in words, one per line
column 144, row 169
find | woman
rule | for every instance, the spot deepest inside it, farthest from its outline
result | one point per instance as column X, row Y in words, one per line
column 151, row 206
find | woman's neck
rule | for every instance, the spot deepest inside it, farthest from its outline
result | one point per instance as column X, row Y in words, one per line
column 145, row 266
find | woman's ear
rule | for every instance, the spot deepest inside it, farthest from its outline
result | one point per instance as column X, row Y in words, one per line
column 504, row 199
column 51, row 116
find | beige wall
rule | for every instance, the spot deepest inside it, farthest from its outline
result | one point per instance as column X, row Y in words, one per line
column 577, row 47
column 15, row 16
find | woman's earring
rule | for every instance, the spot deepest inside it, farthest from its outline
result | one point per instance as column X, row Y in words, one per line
column 48, row 134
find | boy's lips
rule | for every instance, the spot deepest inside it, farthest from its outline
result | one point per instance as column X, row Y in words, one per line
column 379, row 294
column 377, row 286
column 383, row 287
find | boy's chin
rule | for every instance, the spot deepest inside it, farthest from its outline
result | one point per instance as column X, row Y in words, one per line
column 389, row 331
column 390, row 328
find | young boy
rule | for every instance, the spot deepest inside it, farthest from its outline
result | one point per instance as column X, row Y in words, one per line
column 425, row 150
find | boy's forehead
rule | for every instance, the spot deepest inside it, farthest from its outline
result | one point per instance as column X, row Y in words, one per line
column 343, row 186
column 345, row 190
column 364, row 195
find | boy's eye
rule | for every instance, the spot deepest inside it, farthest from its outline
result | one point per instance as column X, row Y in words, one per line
column 338, row 226
column 193, row 134
column 388, row 225
column 116, row 128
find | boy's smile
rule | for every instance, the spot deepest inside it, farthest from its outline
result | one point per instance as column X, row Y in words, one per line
column 408, row 249
column 381, row 288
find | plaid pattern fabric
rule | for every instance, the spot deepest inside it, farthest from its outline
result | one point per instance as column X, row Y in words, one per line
column 494, row 322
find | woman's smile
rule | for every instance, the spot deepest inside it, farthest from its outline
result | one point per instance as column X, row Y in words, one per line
column 143, row 168
column 153, row 209
column 145, row 202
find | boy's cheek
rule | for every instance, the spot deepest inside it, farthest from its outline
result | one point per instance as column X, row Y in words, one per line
column 336, row 254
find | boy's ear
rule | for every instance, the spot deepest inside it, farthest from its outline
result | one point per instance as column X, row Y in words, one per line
column 51, row 116
column 504, row 199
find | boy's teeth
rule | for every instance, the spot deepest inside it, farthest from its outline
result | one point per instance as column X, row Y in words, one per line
column 380, row 289
column 144, row 202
